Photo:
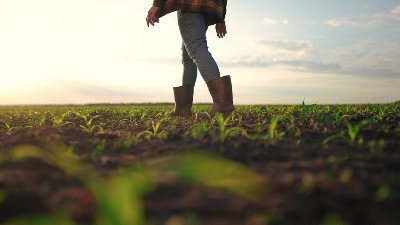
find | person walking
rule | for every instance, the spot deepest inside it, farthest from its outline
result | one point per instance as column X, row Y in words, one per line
column 194, row 18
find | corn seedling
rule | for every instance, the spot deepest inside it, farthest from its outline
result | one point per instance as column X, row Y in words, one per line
column 338, row 115
column 222, row 133
column 127, row 141
column 305, row 110
column 376, row 145
column 199, row 130
column 58, row 121
column 34, row 119
column 382, row 113
column 273, row 135
column 155, row 130
column 352, row 136
column 134, row 113
column 99, row 148
column 8, row 127
column 88, row 126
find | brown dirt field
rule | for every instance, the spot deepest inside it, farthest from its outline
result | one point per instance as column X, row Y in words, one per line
column 308, row 183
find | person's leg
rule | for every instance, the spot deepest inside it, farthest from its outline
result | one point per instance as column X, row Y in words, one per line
column 193, row 30
column 189, row 68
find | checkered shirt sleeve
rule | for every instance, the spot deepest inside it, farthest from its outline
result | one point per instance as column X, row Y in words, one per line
column 214, row 7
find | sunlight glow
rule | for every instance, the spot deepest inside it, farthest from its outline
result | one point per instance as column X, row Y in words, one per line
column 102, row 51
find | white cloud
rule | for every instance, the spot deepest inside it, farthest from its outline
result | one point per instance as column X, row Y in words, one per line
column 367, row 58
column 287, row 45
column 366, row 21
column 363, row 22
column 395, row 13
column 364, row 59
column 272, row 22
column 294, row 65
column 337, row 22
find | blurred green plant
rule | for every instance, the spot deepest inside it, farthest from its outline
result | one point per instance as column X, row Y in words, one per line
column 58, row 121
column 38, row 119
column 383, row 113
column 8, row 127
column 352, row 136
column 119, row 198
column 199, row 130
column 383, row 193
column 273, row 135
column 54, row 218
column 306, row 109
column 338, row 115
column 99, row 148
column 2, row 196
column 376, row 146
column 333, row 219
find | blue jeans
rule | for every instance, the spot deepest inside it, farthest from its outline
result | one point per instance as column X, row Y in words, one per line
column 195, row 54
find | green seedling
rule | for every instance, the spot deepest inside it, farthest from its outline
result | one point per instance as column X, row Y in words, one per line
column 199, row 130
column 382, row 113
column 305, row 109
column 223, row 131
column 143, row 115
column 155, row 130
column 376, row 145
column 338, row 115
column 8, row 127
column 35, row 119
column 132, row 114
column 88, row 126
column 273, row 135
column 352, row 136
column 42, row 120
column 127, row 140
column 259, row 127
column 99, row 148
column 58, row 121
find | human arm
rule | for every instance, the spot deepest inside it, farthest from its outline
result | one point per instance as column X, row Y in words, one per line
column 221, row 29
column 152, row 15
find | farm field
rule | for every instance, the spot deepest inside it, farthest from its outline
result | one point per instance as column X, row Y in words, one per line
column 266, row 164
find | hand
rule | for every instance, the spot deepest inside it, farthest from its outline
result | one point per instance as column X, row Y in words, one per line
column 221, row 29
column 152, row 15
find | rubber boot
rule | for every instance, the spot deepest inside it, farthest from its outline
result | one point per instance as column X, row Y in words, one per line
column 221, row 93
column 183, row 101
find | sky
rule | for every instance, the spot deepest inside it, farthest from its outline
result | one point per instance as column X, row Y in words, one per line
column 276, row 51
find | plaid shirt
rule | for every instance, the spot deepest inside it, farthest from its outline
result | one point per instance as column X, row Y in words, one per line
column 217, row 8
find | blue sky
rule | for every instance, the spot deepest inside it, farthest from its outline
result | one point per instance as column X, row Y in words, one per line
column 277, row 52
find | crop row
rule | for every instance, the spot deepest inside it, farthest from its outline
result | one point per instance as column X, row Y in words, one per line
column 269, row 123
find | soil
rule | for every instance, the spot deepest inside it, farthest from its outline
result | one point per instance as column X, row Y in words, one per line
column 308, row 182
